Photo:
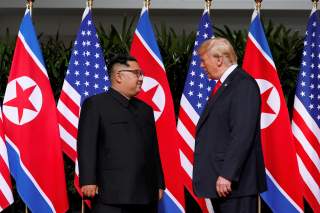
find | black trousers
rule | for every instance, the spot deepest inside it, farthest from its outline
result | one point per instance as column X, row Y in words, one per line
column 248, row 204
column 125, row 208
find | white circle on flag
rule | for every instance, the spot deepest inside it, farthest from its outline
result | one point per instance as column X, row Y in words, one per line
column 272, row 102
column 159, row 98
column 22, row 101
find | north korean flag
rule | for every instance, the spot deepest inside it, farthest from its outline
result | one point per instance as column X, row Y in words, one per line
column 284, row 184
column 31, row 127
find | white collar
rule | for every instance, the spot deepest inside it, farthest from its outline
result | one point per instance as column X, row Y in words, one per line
column 228, row 72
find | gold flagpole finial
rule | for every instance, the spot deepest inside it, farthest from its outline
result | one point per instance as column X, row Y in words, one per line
column 90, row 3
column 208, row 5
column 258, row 4
column 29, row 4
column 315, row 3
column 147, row 3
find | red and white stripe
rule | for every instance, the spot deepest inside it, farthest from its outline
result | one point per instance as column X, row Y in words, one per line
column 68, row 118
column 187, row 122
column 307, row 140
column 6, row 197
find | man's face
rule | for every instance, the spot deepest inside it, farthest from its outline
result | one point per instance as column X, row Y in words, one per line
column 132, row 78
column 211, row 65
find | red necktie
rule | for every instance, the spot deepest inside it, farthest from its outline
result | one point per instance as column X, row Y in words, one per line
column 215, row 89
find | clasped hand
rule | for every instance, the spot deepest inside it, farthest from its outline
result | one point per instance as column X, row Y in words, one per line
column 223, row 187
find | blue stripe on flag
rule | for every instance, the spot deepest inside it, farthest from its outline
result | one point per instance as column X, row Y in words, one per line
column 28, row 32
column 168, row 205
column 257, row 32
column 145, row 29
column 276, row 200
column 26, row 189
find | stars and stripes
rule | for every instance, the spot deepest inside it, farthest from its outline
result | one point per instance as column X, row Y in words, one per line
column 195, row 95
column 306, row 113
column 6, row 197
column 86, row 76
column 284, row 192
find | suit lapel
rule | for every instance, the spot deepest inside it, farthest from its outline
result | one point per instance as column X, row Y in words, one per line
column 226, row 84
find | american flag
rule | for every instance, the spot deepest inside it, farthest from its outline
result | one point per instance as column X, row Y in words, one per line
column 306, row 113
column 196, row 93
column 6, row 197
column 86, row 76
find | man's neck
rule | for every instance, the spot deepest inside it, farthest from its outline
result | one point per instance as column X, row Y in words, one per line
column 227, row 72
column 119, row 90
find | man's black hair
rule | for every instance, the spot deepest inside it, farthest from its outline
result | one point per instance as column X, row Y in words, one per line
column 119, row 59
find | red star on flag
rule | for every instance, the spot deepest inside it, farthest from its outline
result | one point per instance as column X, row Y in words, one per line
column 147, row 97
column 21, row 101
column 265, row 105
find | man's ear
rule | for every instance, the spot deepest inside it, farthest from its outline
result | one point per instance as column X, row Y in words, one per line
column 117, row 77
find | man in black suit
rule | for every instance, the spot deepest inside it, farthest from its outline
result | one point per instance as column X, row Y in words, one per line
column 117, row 145
column 228, row 161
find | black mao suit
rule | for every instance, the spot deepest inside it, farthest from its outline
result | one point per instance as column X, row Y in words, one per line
column 118, row 149
column 228, row 140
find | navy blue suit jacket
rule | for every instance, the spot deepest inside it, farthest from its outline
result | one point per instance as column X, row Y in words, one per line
column 228, row 139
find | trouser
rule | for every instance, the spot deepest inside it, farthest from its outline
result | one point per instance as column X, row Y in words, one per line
column 125, row 208
column 247, row 204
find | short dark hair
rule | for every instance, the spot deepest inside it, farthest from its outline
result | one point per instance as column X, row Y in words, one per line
column 119, row 59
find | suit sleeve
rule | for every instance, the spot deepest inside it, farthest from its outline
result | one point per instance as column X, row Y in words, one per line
column 88, row 142
column 244, row 116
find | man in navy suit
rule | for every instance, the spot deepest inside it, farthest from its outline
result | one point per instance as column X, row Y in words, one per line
column 228, row 161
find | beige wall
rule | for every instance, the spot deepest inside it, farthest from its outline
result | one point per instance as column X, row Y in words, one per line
column 66, row 21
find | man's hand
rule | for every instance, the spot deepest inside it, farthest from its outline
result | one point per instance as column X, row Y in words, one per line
column 223, row 187
column 160, row 194
column 89, row 190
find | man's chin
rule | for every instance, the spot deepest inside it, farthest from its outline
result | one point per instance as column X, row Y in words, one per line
column 138, row 91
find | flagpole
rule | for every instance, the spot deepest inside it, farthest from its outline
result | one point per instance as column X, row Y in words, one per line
column 147, row 4
column 30, row 5
column 90, row 3
column 82, row 206
column 315, row 3
column 208, row 5
column 258, row 5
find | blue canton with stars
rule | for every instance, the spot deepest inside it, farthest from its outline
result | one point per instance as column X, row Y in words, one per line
column 198, row 87
column 308, row 84
column 87, row 70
